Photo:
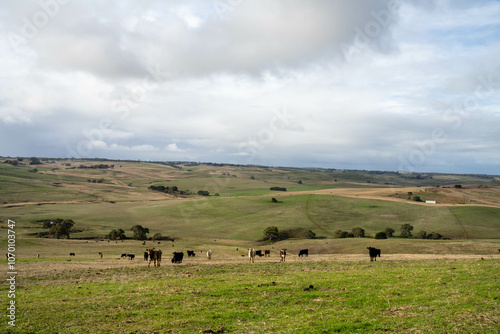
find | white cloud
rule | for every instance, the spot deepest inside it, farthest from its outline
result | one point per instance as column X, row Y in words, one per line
column 122, row 80
column 173, row 148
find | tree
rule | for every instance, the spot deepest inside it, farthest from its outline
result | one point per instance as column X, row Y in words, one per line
column 417, row 198
column 340, row 234
column 381, row 235
column 421, row 235
column 358, row 232
column 35, row 161
column 406, row 230
column 118, row 234
column 139, row 232
column 434, row 235
column 271, row 233
column 389, row 232
column 61, row 228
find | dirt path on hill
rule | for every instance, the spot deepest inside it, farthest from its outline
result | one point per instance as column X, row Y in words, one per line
column 380, row 194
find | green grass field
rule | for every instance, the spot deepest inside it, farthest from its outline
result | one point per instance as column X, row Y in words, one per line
column 426, row 296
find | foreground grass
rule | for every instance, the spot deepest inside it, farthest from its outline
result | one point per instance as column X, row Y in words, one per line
column 438, row 296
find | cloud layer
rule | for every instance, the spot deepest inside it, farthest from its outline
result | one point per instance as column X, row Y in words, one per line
column 393, row 85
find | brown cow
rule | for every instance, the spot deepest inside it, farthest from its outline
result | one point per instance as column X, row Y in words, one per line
column 155, row 256
column 100, row 254
column 282, row 255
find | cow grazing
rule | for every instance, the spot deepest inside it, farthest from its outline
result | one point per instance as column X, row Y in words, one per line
column 304, row 252
column 267, row 253
column 71, row 254
column 178, row 256
column 146, row 255
column 251, row 255
column 155, row 256
column 282, row 255
column 259, row 253
column 123, row 255
column 191, row 253
column 100, row 255
column 130, row 256
column 374, row 252
column 209, row 254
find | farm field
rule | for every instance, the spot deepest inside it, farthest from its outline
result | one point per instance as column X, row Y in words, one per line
column 317, row 295
column 417, row 285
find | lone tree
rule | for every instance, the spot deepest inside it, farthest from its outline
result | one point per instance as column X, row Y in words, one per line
column 140, row 232
column 358, row 232
column 406, row 230
column 272, row 233
column 116, row 234
column 59, row 228
column 389, row 232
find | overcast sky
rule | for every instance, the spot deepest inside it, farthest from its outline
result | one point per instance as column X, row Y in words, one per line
column 379, row 85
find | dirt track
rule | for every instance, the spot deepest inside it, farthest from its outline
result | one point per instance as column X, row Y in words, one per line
column 384, row 194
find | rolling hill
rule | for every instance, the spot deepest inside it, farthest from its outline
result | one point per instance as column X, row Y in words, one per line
column 101, row 195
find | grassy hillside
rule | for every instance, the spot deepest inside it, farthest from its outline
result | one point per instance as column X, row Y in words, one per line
column 245, row 218
column 243, row 207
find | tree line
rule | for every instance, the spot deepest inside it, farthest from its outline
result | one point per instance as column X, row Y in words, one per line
column 405, row 229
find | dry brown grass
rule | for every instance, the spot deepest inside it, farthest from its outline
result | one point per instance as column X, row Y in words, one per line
column 473, row 196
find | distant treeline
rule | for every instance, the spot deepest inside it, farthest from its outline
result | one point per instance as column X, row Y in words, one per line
column 175, row 164
column 99, row 166
column 168, row 190
column 278, row 188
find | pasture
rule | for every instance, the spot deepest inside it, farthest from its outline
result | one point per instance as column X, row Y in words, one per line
column 315, row 295
column 416, row 286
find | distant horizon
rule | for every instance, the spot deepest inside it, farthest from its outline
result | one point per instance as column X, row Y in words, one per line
column 393, row 85
column 237, row 164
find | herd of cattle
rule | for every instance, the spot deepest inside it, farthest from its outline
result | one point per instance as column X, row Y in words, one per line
column 154, row 255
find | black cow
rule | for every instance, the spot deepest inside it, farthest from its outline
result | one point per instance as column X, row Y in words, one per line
column 191, row 253
column 374, row 252
column 304, row 252
column 124, row 255
column 71, row 254
column 146, row 254
column 178, row 256
column 130, row 256
column 259, row 253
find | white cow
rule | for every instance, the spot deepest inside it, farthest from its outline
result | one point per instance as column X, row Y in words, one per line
column 209, row 254
column 251, row 255
column 282, row 255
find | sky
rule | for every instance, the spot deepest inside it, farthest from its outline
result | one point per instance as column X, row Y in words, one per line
column 398, row 85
